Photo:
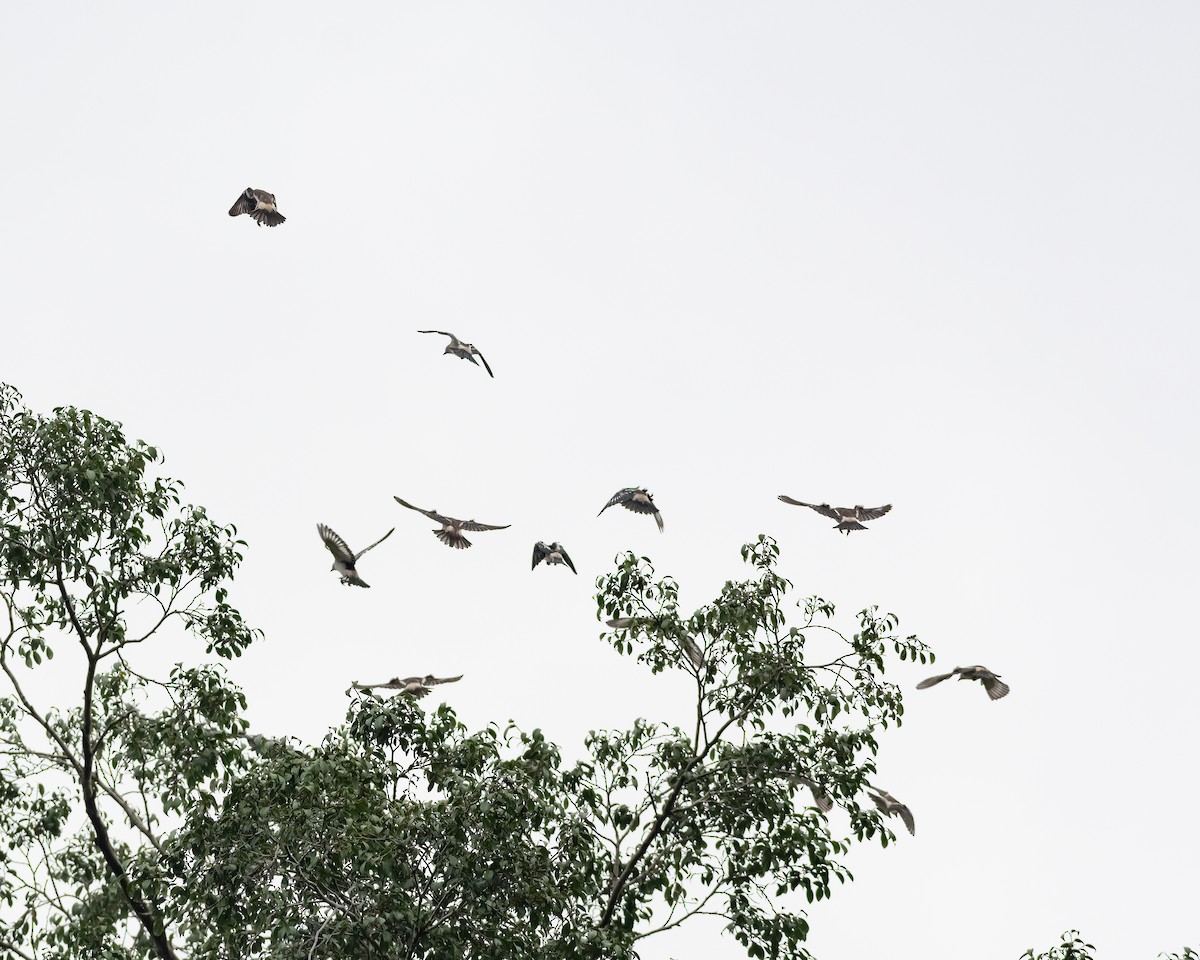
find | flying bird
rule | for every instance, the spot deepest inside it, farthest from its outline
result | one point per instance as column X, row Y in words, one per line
column 551, row 554
column 637, row 499
column 344, row 559
column 849, row 518
column 891, row 807
column 995, row 687
column 260, row 205
column 467, row 351
column 451, row 532
column 689, row 646
column 822, row 799
column 415, row 687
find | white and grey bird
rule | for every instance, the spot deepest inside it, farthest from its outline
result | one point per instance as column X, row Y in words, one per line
column 891, row 807
column 627, row 623
column 344, row 559
column 415, row 687
column 260, row 205
column 849, row 518
column 822, row 799
column 552, row 554
column 457, row 348
column 451, row 531
column 689, row 646
column 637, row 499
column 995, row 687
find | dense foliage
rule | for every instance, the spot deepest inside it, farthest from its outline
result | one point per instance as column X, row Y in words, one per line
column 98, row 557
column 140, row 817
column 404, row 835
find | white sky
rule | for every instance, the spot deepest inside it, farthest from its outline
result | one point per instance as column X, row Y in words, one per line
column 936, row 254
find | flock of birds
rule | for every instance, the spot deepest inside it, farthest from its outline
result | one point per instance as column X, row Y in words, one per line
column 261, row 207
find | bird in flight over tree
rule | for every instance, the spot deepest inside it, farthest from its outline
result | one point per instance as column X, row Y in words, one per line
column 467, row 351
column 451, row 532
column 344, row 559
column 822, row 799
column 891, row 807
column 551, row 554
column 637, row 499
column 995, row 687
column 849, row 518
column 260, row 205
column 689, row 646
column 415, row 687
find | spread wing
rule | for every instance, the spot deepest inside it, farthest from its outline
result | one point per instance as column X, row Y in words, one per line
column 245, row 203
column 442, row 332
column 567, row 560
column 694, row 653
column 871, row 513
column 375, row 544
column 891, row 807
column 432, row 681
column 475, row 526
column 930, row 681
column 394, row 684
column 485, row 365
column 822, row 508
column 820, row 797
column 540, row 553
column 431, row 514
column 639, row 506
column 337, row 546
column 905, row 814
column 619, row 497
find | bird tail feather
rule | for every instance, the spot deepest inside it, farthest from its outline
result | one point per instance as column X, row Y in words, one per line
column 457, row 541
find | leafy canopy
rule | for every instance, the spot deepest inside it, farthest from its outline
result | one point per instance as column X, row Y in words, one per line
column 140, row 816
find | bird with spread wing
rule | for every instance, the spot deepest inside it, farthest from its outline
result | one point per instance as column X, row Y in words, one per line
column 995, row 687
column 344, row 559
column 415, row 687
column 457, row 348
column 889, row 806
column 637, row 499
column 451, row 530
column 849, row 518
column 552, row 554
column 259, row 205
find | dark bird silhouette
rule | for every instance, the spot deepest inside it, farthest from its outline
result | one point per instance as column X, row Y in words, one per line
column 260, row 205
column 848, row 517
column 995, row 687
column 344, row 559
column 637, row 499
column 891, row 807
column 467, row 351
column 451, row 532
column 415, row 687
column 551, row 554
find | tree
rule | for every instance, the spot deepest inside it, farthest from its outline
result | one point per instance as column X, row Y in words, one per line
column 144, row 819
column 98, row 557
column 403, row 835
column 1073, row 947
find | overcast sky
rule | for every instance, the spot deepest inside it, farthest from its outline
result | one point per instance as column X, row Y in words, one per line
column 942, row 255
